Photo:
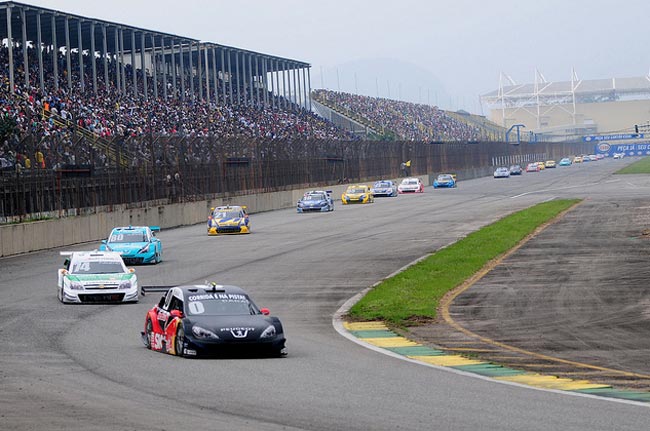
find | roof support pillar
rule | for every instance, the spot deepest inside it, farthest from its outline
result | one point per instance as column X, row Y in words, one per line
column 182, row 71
column 143, row 67
column 154, row 65
column 133, row 69
column 215, row 79
column 67, row 53
column 174, row 69
column 23, row 22
column 105, row 56
column 55, row 52
column 93, row 62
column 80, row 56
column 39, row 42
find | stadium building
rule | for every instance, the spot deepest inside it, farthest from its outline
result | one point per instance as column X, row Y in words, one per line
column 571, row 109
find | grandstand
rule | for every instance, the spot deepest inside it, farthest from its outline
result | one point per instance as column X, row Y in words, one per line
column 570, row 109
column 388, row 119
column 92, row 89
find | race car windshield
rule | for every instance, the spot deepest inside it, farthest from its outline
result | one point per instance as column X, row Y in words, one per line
column 359, row 190
column 314, row 198
column 444, row 177
column 219, row 307
column 128, row 237
column 227, row 214
column 382, row 185
column 96, row 267
column 409, row 182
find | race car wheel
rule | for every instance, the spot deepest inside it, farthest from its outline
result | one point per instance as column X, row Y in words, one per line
column 179, row 341
column 148, row 333
column 158, row 258
column 59, row 294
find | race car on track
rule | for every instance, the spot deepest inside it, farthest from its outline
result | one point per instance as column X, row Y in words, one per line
column 502, row 172
column 549, row 164
column 565, row 162
column 316, row 200
column 228, row 219
column 532, row 167
column 541, row 165
column 384, row 188
column 516, row 170
column 577, row 159
column 357, row 193
column 210, row 319
column 444, row 180
column 136, row 244
column 96, row 276
column 411, row 185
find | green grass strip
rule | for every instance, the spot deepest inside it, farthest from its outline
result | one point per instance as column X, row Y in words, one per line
column 639, row 167
column 414, row 294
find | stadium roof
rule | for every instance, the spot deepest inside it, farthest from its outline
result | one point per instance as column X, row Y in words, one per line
column 621, row 86
column 46, row 15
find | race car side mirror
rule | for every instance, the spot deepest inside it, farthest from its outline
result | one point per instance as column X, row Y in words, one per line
column 176, row 313
column 265, row 311
column 131, row 270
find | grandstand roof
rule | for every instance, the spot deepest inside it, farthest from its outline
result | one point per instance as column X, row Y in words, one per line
column 31, row 13
column 633, row 85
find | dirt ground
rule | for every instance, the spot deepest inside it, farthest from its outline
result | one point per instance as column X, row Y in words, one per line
column 573, row 302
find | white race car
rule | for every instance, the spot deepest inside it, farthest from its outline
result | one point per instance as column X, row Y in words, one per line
column 96, row 276
column 410, row 185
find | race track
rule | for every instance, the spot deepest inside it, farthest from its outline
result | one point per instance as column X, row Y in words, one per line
column 84, row 367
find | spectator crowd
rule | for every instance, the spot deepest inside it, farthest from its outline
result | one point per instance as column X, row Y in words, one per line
column 47, row 124
column 409, row 121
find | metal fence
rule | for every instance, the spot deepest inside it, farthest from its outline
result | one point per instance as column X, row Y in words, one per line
column 194, row 169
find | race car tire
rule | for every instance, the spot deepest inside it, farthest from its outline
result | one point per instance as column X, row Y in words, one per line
column 59, row 294
column 148, row 333
column 179, row 340
column 158, row 258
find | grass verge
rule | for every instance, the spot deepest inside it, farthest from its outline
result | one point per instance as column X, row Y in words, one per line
column 413, row 295
column 639, row 167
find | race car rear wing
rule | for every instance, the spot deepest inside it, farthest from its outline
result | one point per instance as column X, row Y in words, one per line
column 150, row 289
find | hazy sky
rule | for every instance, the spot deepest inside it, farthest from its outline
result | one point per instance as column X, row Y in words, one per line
column 445, row 53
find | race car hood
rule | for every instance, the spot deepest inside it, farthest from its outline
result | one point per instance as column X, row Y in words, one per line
column 382, row 190
column 313, row 202
column 100, row 277
column 127, row 247
column 229, row 221
column 354, row 195
column 234, row 328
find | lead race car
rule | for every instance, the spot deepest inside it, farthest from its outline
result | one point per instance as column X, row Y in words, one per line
column 316, row 201
column 96, row 276
column 210, row 319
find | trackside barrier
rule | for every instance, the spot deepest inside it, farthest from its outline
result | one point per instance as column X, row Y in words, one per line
column 62, row 232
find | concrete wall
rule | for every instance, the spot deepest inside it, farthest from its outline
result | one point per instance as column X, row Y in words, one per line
column 62, row 232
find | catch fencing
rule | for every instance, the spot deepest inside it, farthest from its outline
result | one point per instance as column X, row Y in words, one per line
column 200, row 168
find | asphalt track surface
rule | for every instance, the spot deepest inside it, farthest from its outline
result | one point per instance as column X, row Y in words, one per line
column 84, row 367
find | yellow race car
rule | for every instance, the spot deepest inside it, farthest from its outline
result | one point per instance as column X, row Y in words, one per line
column 357, row 194
column 228, row 219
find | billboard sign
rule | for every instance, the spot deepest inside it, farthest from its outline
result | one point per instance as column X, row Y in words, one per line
column 616, row 137
column 641, row 149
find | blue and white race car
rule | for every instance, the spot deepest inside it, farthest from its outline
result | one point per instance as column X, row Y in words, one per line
column 444, row 180
column 384, row 188
column 316, row 201
column 136, row 244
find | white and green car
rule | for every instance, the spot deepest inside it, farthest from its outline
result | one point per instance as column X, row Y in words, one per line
column 96, row 277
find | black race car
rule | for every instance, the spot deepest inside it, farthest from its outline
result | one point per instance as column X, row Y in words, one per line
column 210, row 319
